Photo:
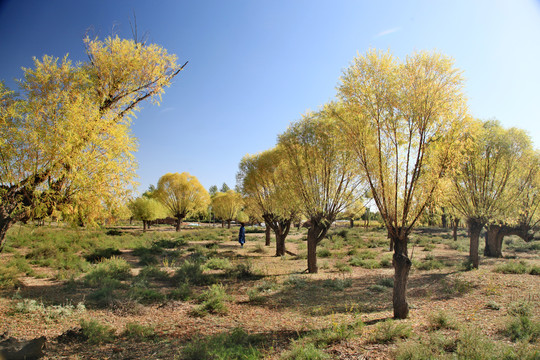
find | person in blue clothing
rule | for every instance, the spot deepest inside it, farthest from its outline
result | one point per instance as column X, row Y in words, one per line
column 242, row 235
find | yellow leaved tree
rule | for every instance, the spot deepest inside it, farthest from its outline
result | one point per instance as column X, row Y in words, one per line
column 265, row 188
column 65, row 141
column 403, row 119
column 227, row 205
column 182, row 195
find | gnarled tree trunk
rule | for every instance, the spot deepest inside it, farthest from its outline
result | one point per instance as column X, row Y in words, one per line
column 316, row 232
column 475, row 227
column 267, row 234
column 402, row 266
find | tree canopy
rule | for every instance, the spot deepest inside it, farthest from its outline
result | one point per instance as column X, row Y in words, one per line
column 66, row 140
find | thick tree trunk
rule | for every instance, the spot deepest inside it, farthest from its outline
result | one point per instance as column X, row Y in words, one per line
column 455, row 224
column 494, row 236
column 228, row 224
column 312, row 254
column 444, row 219
column 5, row 224
column 267, row 234
column 280, row 245
column 178, row 223
column 475, row 227
column 402, row 266
column 144, row 225
column 351, row 222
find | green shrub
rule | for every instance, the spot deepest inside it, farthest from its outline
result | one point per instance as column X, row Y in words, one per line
column 97, row 333
column 366, row 254
column 183, row 293
column 492, row 305
column 302, row 351
column 296, row 282
column 139, row 332
column 523, row 328
column 429, row 247
column 534, row 270
column 473, row 345
column 212, row 301
column 456, row 286
column 386, row 261
column 440, row 320
column 513, row 267
column 520, row 308
column 377, row 288
column 191, row 273
column 387, row 282
column 342, row 267
column 429, row 264
column 114, row 268
column 337, row 284
column 170, row 243
column 153, row 272
column 389, row 331
column 145, row 295
column 148, row 259
column 234, row 345
column 259, row 249
column 218, row 264
column 244, row 271
column 100, row 254
column 105, row 294
column 324, row 253
column 365, row 263
column 9, row 277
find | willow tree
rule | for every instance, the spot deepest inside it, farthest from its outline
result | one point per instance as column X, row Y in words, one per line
column 493, row 185
column 182, row 195
column 146, row 209
column 66, row 138
column 322, row 173
column 262, row 183
column 227, row 205
column 403, row 120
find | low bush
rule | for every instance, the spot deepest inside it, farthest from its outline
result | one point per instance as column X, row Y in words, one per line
column 337, row 284
column 100, row 254
column 139, row 332
column 97, row 333
column 212, row 301
column 387, row 282
column 365, row 263
column 234, row 345
column 183, row 293
column 342, row 267
column 324, row 253
column 513, row 267
column 114, row 268
column 523, row 328
column 301, row 351
column 218, row 264
column 440, row 320
column 191, row 273
column 389, row 331
column 145, row 295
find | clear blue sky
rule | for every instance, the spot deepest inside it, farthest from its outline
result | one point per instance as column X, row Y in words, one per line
column 255, row 66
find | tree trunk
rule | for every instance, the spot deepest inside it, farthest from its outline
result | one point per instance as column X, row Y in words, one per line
column 280, row 245
column 228, row 224
column 494, row 237
column 178, row 223
column 5, row 224
column 267, row 234
column 444, row 219
column 475, row 227
column 402, row 266
column 312, row 254
column 351, row 222
column 455, row 224
column 144, row 225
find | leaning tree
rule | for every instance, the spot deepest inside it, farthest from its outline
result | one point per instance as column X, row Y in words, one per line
column 403, row 120
column 65, row 141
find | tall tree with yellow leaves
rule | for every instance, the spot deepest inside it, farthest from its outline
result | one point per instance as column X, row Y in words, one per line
column 227, row 205
column 403, row 120
column 182, row 195
column 66, row 139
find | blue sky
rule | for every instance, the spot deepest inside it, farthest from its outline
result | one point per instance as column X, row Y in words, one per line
column 255, row 66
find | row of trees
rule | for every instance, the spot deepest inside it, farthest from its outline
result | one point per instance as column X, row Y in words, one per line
column 400, row 130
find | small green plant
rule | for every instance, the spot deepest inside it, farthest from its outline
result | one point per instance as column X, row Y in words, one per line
column 534, row 270
column 259, row 249
column 244, row 270
column 153, row 272
column 389, row 331
column 234, row 345
column 377, row 288
column 212, row 301
column 100, row 254
column 456, row 286
column 523, row 328
column 218, row 264
column 139, row 332
column 513, row 267
column 428, row 264
column 183, row 293
column 520, row 308
column 440, row 320
column 97, row 333
column 386, row 261
column 191, row 272
column 114, row 268
column 145, row 295
column 365, row 263
column 324, row 253
column 342, row 267
column 387, row 282
column 337, row 284
column 302, row 351
column 296, row 282
column 492, row 305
